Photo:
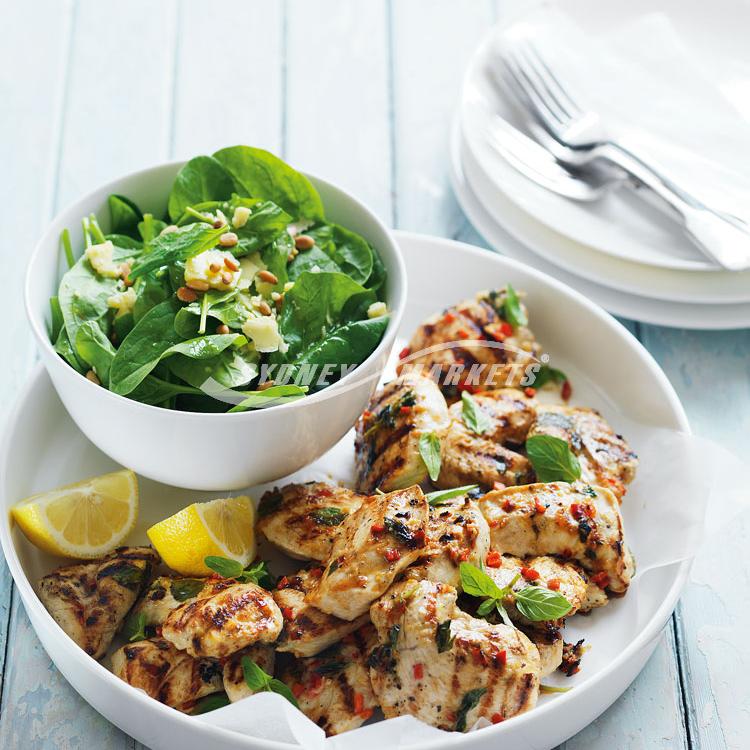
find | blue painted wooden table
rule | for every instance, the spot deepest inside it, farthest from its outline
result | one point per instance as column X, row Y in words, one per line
column 362, row 93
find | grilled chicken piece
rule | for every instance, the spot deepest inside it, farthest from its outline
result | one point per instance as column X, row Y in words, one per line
column 307, row 630
column 472, row 344
column 225, row 617
column 166, row 674
column 577, row 522
column 377, row 542
column 304, row 519
column 233, row 677
column 386, row 445
column 445, row 667
column 333, row 689
column 549, row 644
column 605, row 457
column 456, row 532
column 165, row 594
column 90, row 601
column 493, row 456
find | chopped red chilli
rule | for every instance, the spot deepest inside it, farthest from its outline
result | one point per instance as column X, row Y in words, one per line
column 494, row 559
column 404, row 353
column 601, row 579
column 392, row 555
column 529, row 574
column 418, row 670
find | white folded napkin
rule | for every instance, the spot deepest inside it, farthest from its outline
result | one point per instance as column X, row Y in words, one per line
column 655, row 97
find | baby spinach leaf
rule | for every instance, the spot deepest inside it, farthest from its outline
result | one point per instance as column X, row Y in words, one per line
column 266, row 222
column 56, row 318
column 83, row 296
column 348, row 250
column 124, row 216
column 231, row 308
column 318, row 302
column 65, row 349
column 274, row 257
column 276, row 394
column 150, row 291
column 150, row 228
column 124, row 242
column 552, row 459
column 259, row 174
column 232, row 368
column 123, row 325
column 537, row 603
column 175, row 246
column 313, row 260
column 474, row 417
column 155, row 391
column 429, row 450
column 94, row 348
column 201, row 179
column 378, row 277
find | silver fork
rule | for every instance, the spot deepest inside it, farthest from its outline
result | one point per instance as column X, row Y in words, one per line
column 577, row 137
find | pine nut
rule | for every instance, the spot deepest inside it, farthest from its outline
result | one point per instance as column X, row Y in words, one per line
column 231, row 264
column 264, row 307
column 125, row 274
column 214, row 268
column 186, row 295
column 198, row 284
column 264, row 386
column 218, row 224
column 304, row 242
column 268, row 277
column 223, row 328
column 91, row 375
column 228, row 239
column 227, row 277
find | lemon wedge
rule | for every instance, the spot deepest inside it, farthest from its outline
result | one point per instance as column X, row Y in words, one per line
column 85, row 520
column 224, row 527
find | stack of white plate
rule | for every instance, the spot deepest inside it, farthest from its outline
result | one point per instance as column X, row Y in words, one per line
column 616, row 250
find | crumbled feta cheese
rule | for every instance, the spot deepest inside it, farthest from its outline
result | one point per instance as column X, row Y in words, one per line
column 264, row 333
column 376, row 309
column 210, row 268
column 122, row 301
column 100, row 257
column 240, row 216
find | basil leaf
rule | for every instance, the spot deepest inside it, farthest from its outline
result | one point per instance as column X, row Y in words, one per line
column 443, row 637
column 328, row 516
column 130, row 576
column 135, row 628
column 439, row 497
column 210, row 703
column 468, row 702
column 258, row 681
column 474, row 417
column 186, row 588
column 330, row 668
column 225, row 567
column 552, row 459
column 487, row 606
column 548, row 374
column 277, row 686
column 476, row 582
column 260, row 575
column 512, row 309
column 429, row 449
column 537, row 603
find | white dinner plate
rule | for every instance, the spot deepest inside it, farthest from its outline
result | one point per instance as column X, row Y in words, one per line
column 524, row 238
column 619, row 225
column 611, row 371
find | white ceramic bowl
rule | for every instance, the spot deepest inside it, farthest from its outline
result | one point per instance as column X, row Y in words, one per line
column 611, row 371
column 196, row 450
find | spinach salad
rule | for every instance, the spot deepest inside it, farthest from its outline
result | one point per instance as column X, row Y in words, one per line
column 243, row 295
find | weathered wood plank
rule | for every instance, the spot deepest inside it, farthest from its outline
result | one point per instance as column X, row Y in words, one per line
column 109, row 114
column 711, row 373
column 337, row 96
column 244, row 103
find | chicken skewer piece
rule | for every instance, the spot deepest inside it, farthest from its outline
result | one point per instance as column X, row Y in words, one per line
column 303, row 519
column 90, row 601
column 576, row 522
column 445, row 667
column 375, row 544
column 233, row 676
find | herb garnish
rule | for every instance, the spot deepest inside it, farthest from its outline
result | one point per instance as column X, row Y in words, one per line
column 183, row 589
column 475, row 418
column 552, row 459
column 468, row 702
column 256, row 573
column 210, row 703
column 537, row 603
column 429, row 450
column 548, row 374
column 553, row 689
column 328, row 516
column 512, row 310
column 258, row 681
column 135, row 627
column 443, row 637
column 130, row 576
column 439, row 497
